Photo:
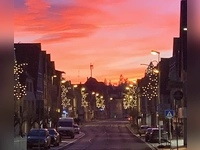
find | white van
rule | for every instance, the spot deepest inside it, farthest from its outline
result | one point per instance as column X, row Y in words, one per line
column 65, row 127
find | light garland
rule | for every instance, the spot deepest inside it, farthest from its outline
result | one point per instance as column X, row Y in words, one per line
column 65, row 100
column 100, row 102
column 84, row 103
column 19, row 89
column 130, row 97
column 150, row 90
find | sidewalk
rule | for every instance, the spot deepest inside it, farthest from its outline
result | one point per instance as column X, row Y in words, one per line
column 155, row 145
column 173, row 145
column 20, row 143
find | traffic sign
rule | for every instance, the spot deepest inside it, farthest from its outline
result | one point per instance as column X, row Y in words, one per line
column 169, row 114
column 178, row 95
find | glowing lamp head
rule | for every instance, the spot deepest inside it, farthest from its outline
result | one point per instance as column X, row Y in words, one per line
column 154, row 52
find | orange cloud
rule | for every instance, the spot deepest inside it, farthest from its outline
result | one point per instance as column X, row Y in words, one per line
column 115, row 35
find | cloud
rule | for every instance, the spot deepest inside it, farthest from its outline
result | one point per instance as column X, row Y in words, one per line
column 115, row 35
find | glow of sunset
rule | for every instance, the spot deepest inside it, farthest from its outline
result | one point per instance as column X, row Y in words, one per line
column 116, row 36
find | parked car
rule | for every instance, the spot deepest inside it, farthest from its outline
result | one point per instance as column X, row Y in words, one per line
column 154, row 135
column 147, row 134
column 55, row 136
column 38, row 138
column 143, row 129
column 76, row 129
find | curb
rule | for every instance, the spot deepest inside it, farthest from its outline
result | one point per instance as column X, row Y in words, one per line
column 150, row 146
column 70, row 143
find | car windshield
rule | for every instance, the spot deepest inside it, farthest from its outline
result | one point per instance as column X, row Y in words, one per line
column 37, row 133
column 65, row 124
column 52, row 132
column 149, row 130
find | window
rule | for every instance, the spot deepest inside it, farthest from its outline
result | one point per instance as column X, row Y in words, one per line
column 37, row 133
column 24, row 104
column 31, row 85
column 65, row 124
column 27, row 86
column 29, row 104
column 32, row 105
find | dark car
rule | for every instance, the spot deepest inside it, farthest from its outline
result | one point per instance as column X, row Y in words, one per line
column 38, row 138
column 143, row 129
column 55, row 136
column 154, row 135
column 76, row 129
column 147, row 134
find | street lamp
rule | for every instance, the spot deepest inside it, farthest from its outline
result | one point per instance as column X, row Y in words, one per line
column 153, row 52
column 52, row 77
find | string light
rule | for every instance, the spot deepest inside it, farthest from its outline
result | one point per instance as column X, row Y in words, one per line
column 19, row 89
column 65, row 100
column 100, row 102
column 84, row 103
column 130, row 97
column 150, row 90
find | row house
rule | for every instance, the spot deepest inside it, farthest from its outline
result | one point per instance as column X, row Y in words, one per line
column 178, row 73
column 42, row 83
column 173, row 77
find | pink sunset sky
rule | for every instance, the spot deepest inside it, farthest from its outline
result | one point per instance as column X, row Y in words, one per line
column 116, row 36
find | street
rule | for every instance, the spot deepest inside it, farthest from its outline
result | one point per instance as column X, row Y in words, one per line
column 106, row 135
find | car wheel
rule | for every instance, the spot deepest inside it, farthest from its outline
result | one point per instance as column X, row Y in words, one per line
column 72, row 136
column 58, row 144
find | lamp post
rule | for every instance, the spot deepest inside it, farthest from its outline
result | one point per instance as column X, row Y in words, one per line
column 153, row 52
column 145, row 114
